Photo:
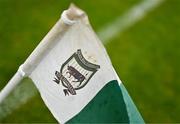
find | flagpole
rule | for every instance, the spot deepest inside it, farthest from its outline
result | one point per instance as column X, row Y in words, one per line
column 68, row 18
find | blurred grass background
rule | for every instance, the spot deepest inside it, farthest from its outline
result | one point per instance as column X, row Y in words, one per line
column 146, row 56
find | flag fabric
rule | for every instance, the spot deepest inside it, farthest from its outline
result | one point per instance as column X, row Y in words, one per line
column 75, row 77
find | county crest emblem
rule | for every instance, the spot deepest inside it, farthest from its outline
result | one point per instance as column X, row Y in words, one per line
column 75, row 73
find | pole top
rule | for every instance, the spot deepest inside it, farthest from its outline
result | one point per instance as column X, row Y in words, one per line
column 72, row 14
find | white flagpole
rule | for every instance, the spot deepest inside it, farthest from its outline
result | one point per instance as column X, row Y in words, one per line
column 68, row 18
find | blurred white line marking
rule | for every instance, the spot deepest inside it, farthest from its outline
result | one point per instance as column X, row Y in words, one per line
column 27, row 90
column 19, row 96
column 127, row 20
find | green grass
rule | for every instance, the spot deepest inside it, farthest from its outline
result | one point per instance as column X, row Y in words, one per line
column 146, row 56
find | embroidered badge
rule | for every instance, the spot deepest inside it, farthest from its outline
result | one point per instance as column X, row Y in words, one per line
column 75, row 73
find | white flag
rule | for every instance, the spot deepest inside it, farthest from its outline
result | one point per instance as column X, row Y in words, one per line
column 71, row 68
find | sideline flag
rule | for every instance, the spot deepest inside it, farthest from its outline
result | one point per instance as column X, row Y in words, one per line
column 75, row 77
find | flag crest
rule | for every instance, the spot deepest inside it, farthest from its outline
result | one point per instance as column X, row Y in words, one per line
column 75, row 73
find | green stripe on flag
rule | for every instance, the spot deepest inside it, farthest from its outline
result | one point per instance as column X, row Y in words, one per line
column 134, row 115
column 109, row 106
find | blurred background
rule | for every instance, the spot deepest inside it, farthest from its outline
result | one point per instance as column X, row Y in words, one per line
column 145, row 51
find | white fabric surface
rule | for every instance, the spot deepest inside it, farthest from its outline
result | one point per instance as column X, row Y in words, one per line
column 78, row 36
